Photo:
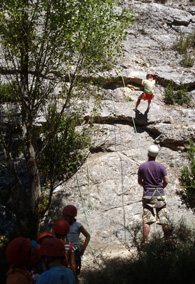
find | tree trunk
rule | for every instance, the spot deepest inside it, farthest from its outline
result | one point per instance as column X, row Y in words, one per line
column 34, row 190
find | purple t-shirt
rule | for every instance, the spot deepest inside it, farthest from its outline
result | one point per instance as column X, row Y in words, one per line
column 152, row 174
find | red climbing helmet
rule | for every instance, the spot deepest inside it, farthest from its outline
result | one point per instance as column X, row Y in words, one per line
column 18, row 250
column 61, row 227
column 45, row 234
column 70, row 210
column 52, row 247
column 149, row 75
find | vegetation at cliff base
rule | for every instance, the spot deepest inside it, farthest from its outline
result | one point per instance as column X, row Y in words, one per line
column 188, row 177
column 158, row 262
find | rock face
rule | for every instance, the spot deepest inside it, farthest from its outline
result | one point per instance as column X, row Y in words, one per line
column 105, row 189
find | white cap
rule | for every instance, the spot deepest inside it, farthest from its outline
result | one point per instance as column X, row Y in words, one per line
column 153, row 151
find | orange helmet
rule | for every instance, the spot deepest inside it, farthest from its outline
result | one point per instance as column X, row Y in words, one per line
column 70, row 210
column 45, row 234
column 18, row 250
column 61, row 227
column 52, row 247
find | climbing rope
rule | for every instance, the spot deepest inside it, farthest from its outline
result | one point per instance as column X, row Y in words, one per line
column 84, row 211
column 78, row 183
column 90, row 207
column 82, row 200
column 133, row 120
column 122, row 185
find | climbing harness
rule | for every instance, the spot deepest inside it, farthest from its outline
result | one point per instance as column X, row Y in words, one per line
column 68, row 255
column 157, row 190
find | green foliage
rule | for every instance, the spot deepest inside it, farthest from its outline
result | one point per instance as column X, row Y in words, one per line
column 50, row 48
column 176, row 94
column 187, row 61
column 185, row 45
column 192, row 39
column 182, row 43
column 159, row 262
column 188, row 173
column 63, row 152
column 67, row 31
column 9, row 92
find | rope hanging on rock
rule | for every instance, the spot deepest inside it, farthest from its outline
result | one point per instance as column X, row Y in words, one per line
column 134, row 125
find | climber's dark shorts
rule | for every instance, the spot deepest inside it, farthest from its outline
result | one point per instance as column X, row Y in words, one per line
column 154, row 210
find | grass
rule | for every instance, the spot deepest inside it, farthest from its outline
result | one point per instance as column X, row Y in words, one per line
column 187, row 61
column 158, row 263
column 176, row 94
column 182, row 43
column 188, row 178
column 185, row 45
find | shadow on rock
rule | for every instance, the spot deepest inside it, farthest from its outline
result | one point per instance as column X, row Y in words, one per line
column 141, row 117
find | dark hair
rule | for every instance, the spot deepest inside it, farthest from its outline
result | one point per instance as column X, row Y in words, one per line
column 151, row 158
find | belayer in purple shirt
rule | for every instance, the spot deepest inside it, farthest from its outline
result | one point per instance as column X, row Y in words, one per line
column 152, row 176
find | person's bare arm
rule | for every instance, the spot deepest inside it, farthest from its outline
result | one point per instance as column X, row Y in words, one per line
column 140, row 181
column 165, row 181
column 87, row 239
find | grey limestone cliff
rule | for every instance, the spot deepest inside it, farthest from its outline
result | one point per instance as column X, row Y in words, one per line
column 105, row 189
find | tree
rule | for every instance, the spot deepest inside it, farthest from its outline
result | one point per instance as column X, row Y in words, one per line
column 48, row 50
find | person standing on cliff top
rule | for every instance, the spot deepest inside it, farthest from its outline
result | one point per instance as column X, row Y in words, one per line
column 148, row 95
column 152, row 176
